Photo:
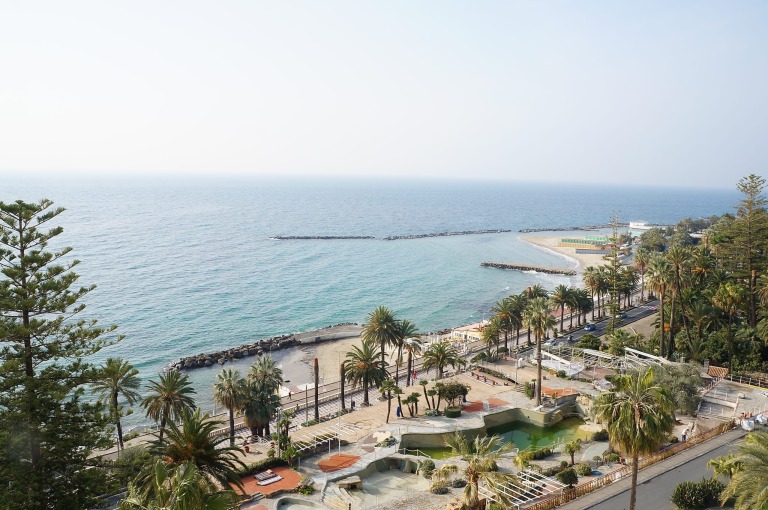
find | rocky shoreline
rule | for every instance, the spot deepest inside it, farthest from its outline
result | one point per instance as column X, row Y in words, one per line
column 528, row 267
column 445, row 234
column 568, row 229
column 266, row 345
column 323, row 238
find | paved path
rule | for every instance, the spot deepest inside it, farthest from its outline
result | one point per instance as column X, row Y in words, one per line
column 616, row 496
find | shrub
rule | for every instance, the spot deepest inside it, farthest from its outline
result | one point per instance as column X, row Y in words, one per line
column 306, row 489
column 452, row 412
column 495, row 506
column 583, row 469
column 673, row 439
column 561, row 374
column 614, row 457
column 600, row 436
column 694, row 495
column 529, row 391
column 502, row 350
column 492, row 466
column 439, row 487
column 432, row 412
column 542, row 453
column 553, row 470
column 387, row 442
column 563, row 464
column 568, row 477
column 597, row 458
column 427, row 468
column 589, row 341
column 458, row 483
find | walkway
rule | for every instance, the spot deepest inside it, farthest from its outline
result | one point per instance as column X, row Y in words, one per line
column 595, row 498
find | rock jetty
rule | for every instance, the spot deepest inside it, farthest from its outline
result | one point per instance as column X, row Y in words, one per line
column 444, row 234
column 568, row 229
column 266, row 345
column 323, row 238
column 527, row 267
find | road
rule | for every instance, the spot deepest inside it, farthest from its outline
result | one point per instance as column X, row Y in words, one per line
column 655, row 493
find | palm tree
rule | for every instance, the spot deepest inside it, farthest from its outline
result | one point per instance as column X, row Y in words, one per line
column 169, row 398
column 259, row 405
column 387, row 387
column 660, row 276
column 440, row 355
column 641, row 259
column 412, row 346
column 639, row 416
column 749, row 481
column 505, row 311
column 491, row 332
column 572, row 448
column 589, row 277
column 424, row 384
column 539, row 320
column 728, row 298
column 382, row 327
column 228, row 392
column 517, row 305
column 481, row 455
column 117, row 377
column 180, row 487
column 405, row 331
column 559, row 298
column 363, row 366
column 266, row 370
column 193, row 442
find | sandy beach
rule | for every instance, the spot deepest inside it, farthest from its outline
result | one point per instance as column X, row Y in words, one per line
column 550, row 243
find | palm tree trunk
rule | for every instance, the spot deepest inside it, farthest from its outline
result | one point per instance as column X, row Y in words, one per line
column 162, row 428
column 397, row 366
column 426, row 397
column 538, row 370
column 633, row 493
column 365, row 390
column 341, row 386
column 661, row 324
column 671, row 343
column 562, row 315
column 317, row 391
column 410, row 368
column 231, row 427
column 120, row 445
column 389, row 404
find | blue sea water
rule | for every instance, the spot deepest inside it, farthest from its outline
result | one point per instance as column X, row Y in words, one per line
column 186, row 266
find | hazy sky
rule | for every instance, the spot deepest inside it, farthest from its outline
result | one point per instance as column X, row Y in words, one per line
column 661, row 92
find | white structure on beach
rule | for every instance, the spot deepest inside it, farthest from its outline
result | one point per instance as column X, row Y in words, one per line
column 469, row 333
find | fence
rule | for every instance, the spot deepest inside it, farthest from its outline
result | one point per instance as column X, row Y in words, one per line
column 615, row 476
column 749, row 380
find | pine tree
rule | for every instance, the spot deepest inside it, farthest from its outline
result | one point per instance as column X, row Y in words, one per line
column 47, row 429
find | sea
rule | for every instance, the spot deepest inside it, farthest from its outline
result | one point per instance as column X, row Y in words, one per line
column 189, row 265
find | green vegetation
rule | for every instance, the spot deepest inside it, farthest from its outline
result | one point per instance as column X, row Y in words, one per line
column 697, row 495
column 117, row 377
column 748, row 470
column 48, row 430
column 568, row 477
column 363, row 367
column 539, row 320
column 440, row 355
column 169, row 399
column 639, row 416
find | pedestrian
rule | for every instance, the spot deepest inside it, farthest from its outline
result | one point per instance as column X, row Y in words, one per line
column 414, row 374
column 398, row 412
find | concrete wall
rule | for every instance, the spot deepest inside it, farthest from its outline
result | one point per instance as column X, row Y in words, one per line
column 566, row 407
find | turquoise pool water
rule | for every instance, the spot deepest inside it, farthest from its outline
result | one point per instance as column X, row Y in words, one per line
column 525, row 435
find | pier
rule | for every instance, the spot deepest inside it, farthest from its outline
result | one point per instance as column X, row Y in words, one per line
column 529, row 267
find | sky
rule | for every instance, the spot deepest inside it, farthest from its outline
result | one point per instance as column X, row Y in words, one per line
column 668, row 92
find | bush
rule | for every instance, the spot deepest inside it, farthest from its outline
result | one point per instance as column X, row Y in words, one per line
column 563, row 464
column 427, row 468
column 502, row 350
column 439, row 487
column 673, row 439
column 390, row 441
column 568, row 477
column 589, row 341
column 600, row 436
column 529, row 390
column 458, row 483
column 553, row 470
column 561, row 374
column 306, row 489
column 432, row 412
column 694, row 495
column 583, row 469
column 614, row 457
column 496, row 506
column 452, row 412
column 542, row 453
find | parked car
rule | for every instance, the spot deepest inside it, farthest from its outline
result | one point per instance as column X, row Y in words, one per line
column 621, row 315
column 590, row 327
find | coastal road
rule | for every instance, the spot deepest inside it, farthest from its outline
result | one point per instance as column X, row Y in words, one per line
column 655, row 493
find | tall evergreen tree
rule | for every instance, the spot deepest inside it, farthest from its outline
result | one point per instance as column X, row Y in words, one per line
column 47, row 430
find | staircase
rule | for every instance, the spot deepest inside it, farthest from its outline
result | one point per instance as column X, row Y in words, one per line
column 340, row 499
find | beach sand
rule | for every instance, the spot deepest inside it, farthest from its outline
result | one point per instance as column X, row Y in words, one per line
column 550, row 243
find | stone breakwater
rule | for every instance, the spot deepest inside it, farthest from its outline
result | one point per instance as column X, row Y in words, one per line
column 527, row 267
column 568, row 229
column 266, row 345
column 444, row 234
column 323, row 238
